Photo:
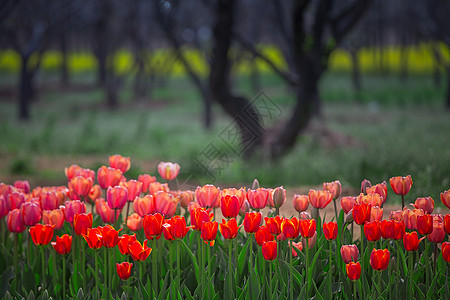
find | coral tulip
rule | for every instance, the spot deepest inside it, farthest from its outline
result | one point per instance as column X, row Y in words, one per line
column 229, row 205
column 49, row 201
column 71, row 171
column 349, row 253
column 353, row 270
column 41, row 234
column 319, row 199
column 335, row 188
column 165, row 204
column 53, row 217
column 447, row 224
column 209, row 232
column 391, row 229
column 376, row 213
column 396, row 215
column 144, row 206
column 240, row 193
column 290, row 228
column 81, row 185
column 168, row 170
column 379, row 259
column 116, row 197
column 124, row 270
column 14, row 221
column 330, row 230
column 263, row 235
column 258, row 198
column 298, row 246
column 445, row 198
column 71, row 208
column 175, row 228
column 361, row 213
column 134, row 222
column 300, row 202
column 138, row 251
column 425, row 203
column 119, row 162
column 269, row 250
column 373, row 199
column 347, row 203
column 446, row 251
column 108, row 177
column 94, row 193
column 252, row 221
column 438, row 233
column 274, row 224
column 372, row 231
column 401, row 185
column 110, row 236
column 278, row 197
column 107, row 214
column 229, row 229
column 22, row 185
column 185, row 198
column 94, row 237
column 411, row 241
column 380, row 189
column 31, row 213
column 207, row 196
column 134, row 188
column 153, row 226
column 124, row 241
column 155, row 187
column 146, row 179
column 63, row 244
column 410, row 217
column 425, row 224
column 307, row 228
column 81, row 223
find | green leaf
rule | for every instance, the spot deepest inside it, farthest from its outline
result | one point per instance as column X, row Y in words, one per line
column 193, row 260
column 402, row 259
column 242, row 258
column 187, row 293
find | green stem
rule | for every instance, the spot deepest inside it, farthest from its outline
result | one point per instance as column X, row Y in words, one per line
column 105, row 266
column 379, row 284
column 64, row 277
column 126, row 218
column 291, row 270
column 96, row 293
column 230, row 266
column 154, row 268
column 330, row 270
column 44, row 275
column 203, row 276
column 236, row 251
column 29, row 249
column 74, row 262
column 250, row 256
column 277, row 272
column 277, row 211
column 410, row 270
column 16, row 253
column 354, row 290
column 270, row 277
column 307, row 268
column 362, row 240
column 335, row 210
column 83, row 262
column 435, row 258
column 141, row 271
column 208, row 256
column 403, row 202
column 178, row 266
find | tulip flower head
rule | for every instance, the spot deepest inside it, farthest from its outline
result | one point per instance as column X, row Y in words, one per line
column 229, row 229
column 300, row 202
column 133, row 187
column 424, row 203
column 278, row 197
column 94, row 237
column 307, row 228
column 110, row 236
column 138, row 251
column 22, row 185
column 175, row 228
column 119, row 162
column 290, row 228
column 53, row 217
column 269, row 250
column 310, row 242
column 372, row 231
column 380, row 189
column 353, row 270
column 153, row 226
column 411, row 241
column 63, row 244
column 401, row 185
column 116, row 197
column 263, row 235
column 94, row 193
column 347, row 203
column 319, row 199
column 134, row 222
column 330, row 230
column 3, row 207
column 258, row 198
column 365, row 184
column 376, row 213
column 107, row 214
column 41, row 234
column 198, row 217
column 207, row 196
column 124, row 270
column 209, row 232
column 146, row 180
column 230, row 205
column 349, row 253
column 144, row 206
column 447, row 224
column 361, row 213
column 81, row 223
column 445, row 198
column 31, row 213
column 165, row 203
column 81, row 185
column 446, row 251
column 379, row 259
column 108, row 177
column 410, row 217
column 14, row 200
column 71, row 208
column 438, row 233
column 168, row 170
column 425, row 224
column 252, row 221
column 185, row 198
column 335, row 188
column 298, row 246
column 274, row 224
column 48, row 200
column 124, row 241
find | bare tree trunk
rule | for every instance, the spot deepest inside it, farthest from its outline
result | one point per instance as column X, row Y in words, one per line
column 25, row 90
column 64, row 68
column 356, row 74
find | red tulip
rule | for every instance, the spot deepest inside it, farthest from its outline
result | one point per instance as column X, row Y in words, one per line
column 401, row 185
column 391, row 229
column 144, row 206
column 165, row 204
column 438, row 233
column 347, row 203
column 349, row 253
column 263, row 235
column 124, row 270
column 335, row 188
column 48, row 199
column 31, row 213
column 229, row 205
column 290, row 228
column 379, row 259
column 300, row 202
column 411, row 241
column 252, row 221
column 108, row 177
column 81, row 222
column 447, row 224
column 258, row 198
column 81, row 185
column 376, row 213
column 153, row 226
column 298, row 245
column 425, row 203
column 139, row 251
column 372, row 231
column 107, row 214
column 134, row 222
column 41, row 234
column 207, row 196
column 425, row 224
column 71, row 208
column 446, row 251
column 124, row 241
column 110, row 236
column 319, row 199
column 445, row 198
column 175, row 228
column 269, row 250
column 133, row 187
column 116, row 197
column 229, row 229
column 361, row 213
column 94, row 237
column 198, row 217
column 146, row 179
column 119, row 162
column 22, row 185
column 63, row 244
column 330, row 230
column 240, row 193
column 53, row 217
column 274, row 224
column 307, row 228
column 209, row 232
column 3, row 207
column 168, row 170
column 353, row 270
column 380, row 189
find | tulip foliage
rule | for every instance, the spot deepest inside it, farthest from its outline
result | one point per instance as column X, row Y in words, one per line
column 105, row 236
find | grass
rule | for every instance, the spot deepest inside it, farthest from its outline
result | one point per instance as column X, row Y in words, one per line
column 397, row 128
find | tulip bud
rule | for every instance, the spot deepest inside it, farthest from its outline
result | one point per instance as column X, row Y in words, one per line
column 364, row 185
column 304, row 215
column 349, row 217
column 255, row 184
column 279, row 196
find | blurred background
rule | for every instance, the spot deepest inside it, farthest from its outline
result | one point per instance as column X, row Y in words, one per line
column 293, row 93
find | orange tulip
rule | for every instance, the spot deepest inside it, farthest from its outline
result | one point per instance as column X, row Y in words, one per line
column 372, row 231
column 107, row 214
column 185, row 198
column 134, row 222
column 361, row 213
column 446, row 251
column 300, row 202
column 108, row 177
column 447, row 224
column 274, row 224
column 116, row 197
column 41, row 234
column 207, row 196
column 258, row 198
column 119, row 162
column 307, row 228
column 81, row 223
column 144, row 206
column 277, row 197
column 396, row 215
column 425, row 224
column 373, row 199
column 209, row 232
column 335, row 188
column 133, row 187
column 94, row 237
column 252, row 221
column 229, row 205
column 376, row 213
column 31, row 213
column 263, row 235
column 71, row 208
column 349, row 253
column 269, row 250
column 63, row 244
column 319, row 199
column 81, row 185
column 155, row 187
column 438, row 233
column 445, row 198
column 411, row 241
column 290, row 228
column 146, row 180
column 71, row 171
column 347, row 203
column 168, row 170
column 379, row 259
column 380, row 189
column 165, row 204
column 138, row 251
column 353, row 270
column 229, row 229
column 198, row 217
column 330, row 230
column 425, row 203
column 124, row 241
column 53, row 217
column 401, row 185
column 153, row 226
column 94, row 193
column 175, row 228
column 124, row 270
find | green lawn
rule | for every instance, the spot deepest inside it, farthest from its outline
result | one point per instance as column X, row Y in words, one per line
column 397, row 128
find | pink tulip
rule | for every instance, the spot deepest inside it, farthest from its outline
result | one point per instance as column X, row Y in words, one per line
column 49, row 201
column 107, row 177
column 258, row 198
column 319, row 199
column 14, row 221
column 376, row 213
column 53, row 217
column 116, row 197
column 207, row 196
column 335, row 188
column 425, row 203
column 31, row 213
column 105, row 212
column 240, row 193
column 168, row 170
column 22, row 185
column 15, row 199
column 134, row 188
column 165, row 204
column 119, row 162
column 347, row 203
column 144, row 206
column 134, row 222
column 146, row 179
column 155, row 187
column 71, row 208
column 3, row 207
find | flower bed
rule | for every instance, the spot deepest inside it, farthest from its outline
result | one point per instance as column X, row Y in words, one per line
column 173, row 244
